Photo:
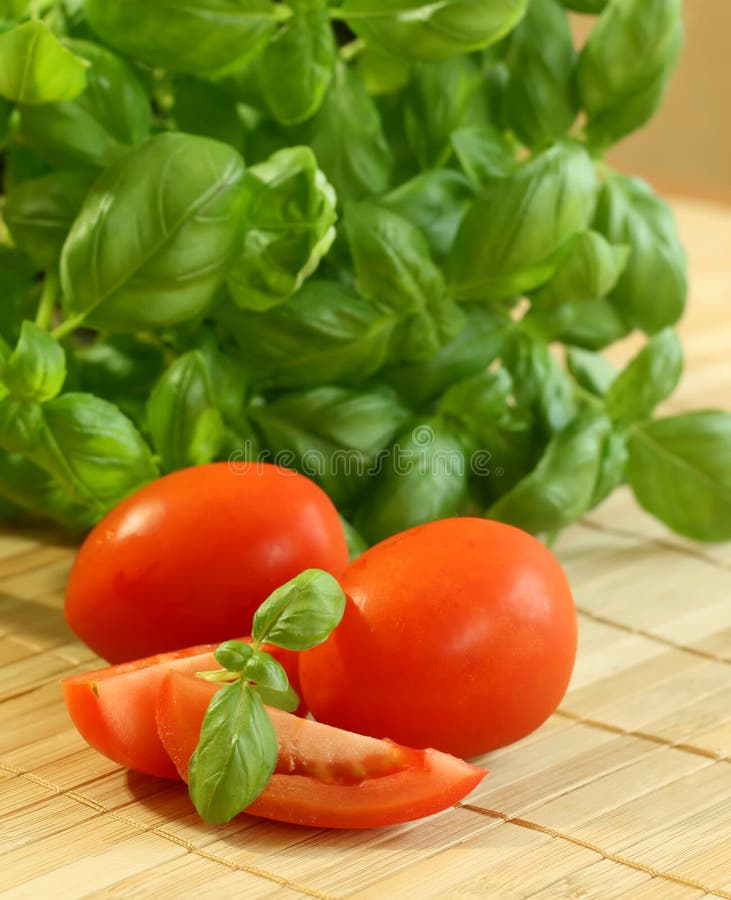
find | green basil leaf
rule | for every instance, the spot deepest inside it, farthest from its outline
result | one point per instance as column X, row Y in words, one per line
column 264, row 670
column 477, row 400
column 680, row 471
column 423, row 30
column 423, row 478
column 586, row 6
column 287, row 700
column 649, row 378
column 381, row 72
column 591, row 370
column 395, row 270
column 36, row 368
column 325, row 333
column 625, row 65
column 17, row 276
column 154, row 238
column 435, row 202
column 612, row 466
column 297, row 64
column 301, row 613
column 93, row 451
column 562, row 486
column 592, row 324
column 203, row 108
column 289, row 225
column 484, row 152
column 234, row 655
column 540, row 384
column 101, row 124
column 347, row 139
column 185, row 423
column 39, row 213
column 235, row 756
column 203, row 38
column 334, row 435
column 629, row 213
column 507, row 242
column 475, row 347
column 38, row 493
column 435, row 104
column 539, row 101
column 36, row 68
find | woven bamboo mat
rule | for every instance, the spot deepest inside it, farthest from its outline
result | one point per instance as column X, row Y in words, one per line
column 624, row 792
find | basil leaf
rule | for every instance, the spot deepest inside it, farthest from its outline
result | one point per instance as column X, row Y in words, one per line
column 98, row 126
column 301, row 613
column 475, row 347
column 592, row 324
column 626, row 64
column 17, row 276
column 207, row 37
column 154, row 238
column 435, row 202
column 332, row 434
column 629, row 213
column 233, row 655
column 36, row 369
column 185, row 422
column 649, row 378
column 92, row 450
column 324, row 333
column 612, row 466
column 287, row 700
column 435, row 104
column 477, row 400
column 38, row 493
column 423, row 30
column 591, row 370
column 347, row 139
column 484, row 153
column 264, row 670
column 395, row 270
column 36, row 68
column 201, row 107
column 586, row 6
column 304, row 48
column 507, row 242
column 423, row 478
column 235, row 756
column 680, row 471
column 539, row 101
column 562, row 486
column 39, row 213
column 289, row 217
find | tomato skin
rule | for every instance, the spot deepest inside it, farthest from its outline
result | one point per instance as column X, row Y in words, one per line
column 114, row 708
column 188, row 558
column 459, row 634
column 325, row 777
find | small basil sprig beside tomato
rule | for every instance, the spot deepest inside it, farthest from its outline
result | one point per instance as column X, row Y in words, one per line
column 237, row 751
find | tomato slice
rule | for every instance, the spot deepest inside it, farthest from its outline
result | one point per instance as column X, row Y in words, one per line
column 325, row 777
column 114, row 708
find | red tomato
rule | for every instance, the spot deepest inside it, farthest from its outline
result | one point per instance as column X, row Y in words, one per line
column 459, row 634
column 114, row 708
column 188, row 558
column 325, row 777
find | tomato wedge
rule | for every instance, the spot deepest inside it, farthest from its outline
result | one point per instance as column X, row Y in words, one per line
column 325, row 777
column 114, row 708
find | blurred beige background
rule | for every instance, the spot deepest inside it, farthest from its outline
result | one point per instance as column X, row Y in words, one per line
column 687, row 146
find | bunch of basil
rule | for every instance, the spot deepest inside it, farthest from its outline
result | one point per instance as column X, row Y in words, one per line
column 350, row 233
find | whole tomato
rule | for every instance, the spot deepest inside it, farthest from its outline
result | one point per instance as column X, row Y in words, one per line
column 188, row 558
column 459, row 635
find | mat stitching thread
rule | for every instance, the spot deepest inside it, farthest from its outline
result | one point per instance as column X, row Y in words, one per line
column 645, row 735
column 650, row 635
column 605, row 854
column 662, row 543
column 166, row 835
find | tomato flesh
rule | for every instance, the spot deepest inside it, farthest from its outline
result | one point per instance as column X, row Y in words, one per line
column 325, row 777
column 114, row 708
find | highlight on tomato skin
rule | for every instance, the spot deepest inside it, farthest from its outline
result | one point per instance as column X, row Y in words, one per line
column 325, row 777
column 113, row 708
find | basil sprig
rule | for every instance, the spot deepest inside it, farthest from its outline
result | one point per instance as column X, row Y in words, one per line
column 237, row 749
